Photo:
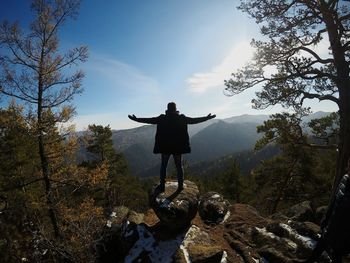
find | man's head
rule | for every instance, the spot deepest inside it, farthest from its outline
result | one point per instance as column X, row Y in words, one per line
column 171, row 107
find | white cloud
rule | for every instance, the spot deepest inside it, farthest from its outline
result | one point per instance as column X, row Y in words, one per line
column 122, row 75
column 239, row 55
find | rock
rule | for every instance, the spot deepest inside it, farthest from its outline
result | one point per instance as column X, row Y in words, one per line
column 320, row 213
column 205, row 254
column 244, row 216
column 279, row 217
column 278, row 229
column 262, row 237
column 213, row 207
column 175, row 209
column 179, row 257
column 119, row 232
column 115, row 242
column 272, row 255
column 129, row 235
column 308, row 229
column 241, row 246
column 121, row 214
column 238, row 228
column 244, row 237
column 300, row 212
column 192, row 245
column 282, row 238
column 135, row 217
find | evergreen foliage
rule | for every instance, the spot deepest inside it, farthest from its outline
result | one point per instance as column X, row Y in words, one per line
column 295, row 175
column 289, row 68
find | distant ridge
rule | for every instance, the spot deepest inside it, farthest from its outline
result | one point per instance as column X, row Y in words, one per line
column 247, row 118
column 209, row 140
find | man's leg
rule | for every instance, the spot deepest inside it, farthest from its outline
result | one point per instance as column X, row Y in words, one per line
column 179, row 169
column 164, row 164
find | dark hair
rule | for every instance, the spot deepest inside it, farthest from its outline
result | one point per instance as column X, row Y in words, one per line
column 171, row 107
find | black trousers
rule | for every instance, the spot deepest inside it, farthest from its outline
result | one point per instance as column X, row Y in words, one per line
column 178, row 165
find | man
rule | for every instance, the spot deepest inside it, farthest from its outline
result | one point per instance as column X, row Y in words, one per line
column 171, row 139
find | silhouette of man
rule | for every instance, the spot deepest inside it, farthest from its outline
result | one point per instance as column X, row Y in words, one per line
column 171, row 139
column 335, row 238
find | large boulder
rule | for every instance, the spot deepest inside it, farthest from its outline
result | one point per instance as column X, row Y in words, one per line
column 320, row 213
column 300, row 212
column 175, row 209
column 213, row 208
column 119, row 232
column 259, row 239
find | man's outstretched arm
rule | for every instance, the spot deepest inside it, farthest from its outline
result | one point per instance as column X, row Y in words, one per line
column 190, row 120
column 153, row 120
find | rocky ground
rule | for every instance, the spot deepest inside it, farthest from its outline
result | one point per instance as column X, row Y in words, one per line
column 173, row 231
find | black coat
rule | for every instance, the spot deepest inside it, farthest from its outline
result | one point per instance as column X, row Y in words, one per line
column 336, row 226
column 172, row 135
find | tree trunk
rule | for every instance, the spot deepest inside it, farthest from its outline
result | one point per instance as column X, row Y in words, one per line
column 45, row 165
column 343, row 85
column 344, row 137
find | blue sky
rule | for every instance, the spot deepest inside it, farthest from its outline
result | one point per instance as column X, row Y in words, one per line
column 144, row 54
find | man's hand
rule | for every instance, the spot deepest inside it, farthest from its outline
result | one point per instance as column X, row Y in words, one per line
column 211, row 116
column 132, row 117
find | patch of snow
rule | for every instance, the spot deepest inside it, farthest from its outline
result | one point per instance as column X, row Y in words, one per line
column 186, row 254
column 188, row 239
column 158, row 252
column 191, row 234
column 162, row 251
column 256, row 260
column 228, row 213
column 179, row 202
column 109, row 223
column 224, row 257
column 24, row 259
column 307, row 241
column 292, row 244
column 288, row 242
column 164, row 202
column 264, row 232
column 114, row 214
column 171, row 183
column 215, row 196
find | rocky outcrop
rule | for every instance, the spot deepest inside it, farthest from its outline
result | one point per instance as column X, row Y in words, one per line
column 116, row 233
column 244, row 236
column 301, row 212
column 213, row 208
column 175, row 209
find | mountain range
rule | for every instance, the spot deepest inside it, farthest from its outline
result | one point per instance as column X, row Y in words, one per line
column 210, row 141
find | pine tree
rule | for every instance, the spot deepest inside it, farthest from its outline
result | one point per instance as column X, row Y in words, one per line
column 293, row 175
column 32, row 71
column 120, row 188
column 292, row 30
